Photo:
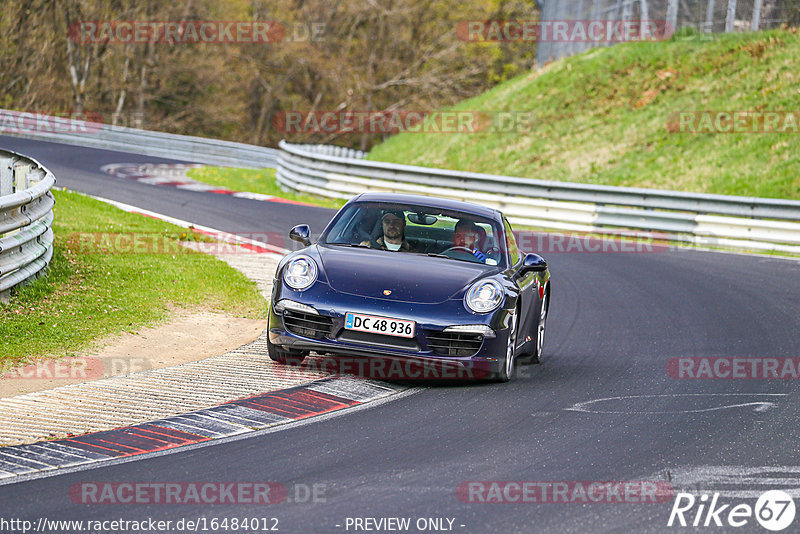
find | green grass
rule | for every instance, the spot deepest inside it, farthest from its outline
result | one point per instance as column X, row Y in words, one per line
column 256, row 181
column 97, row 287
column 602, row 117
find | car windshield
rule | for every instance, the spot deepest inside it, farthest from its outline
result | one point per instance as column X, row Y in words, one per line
column 414, row 229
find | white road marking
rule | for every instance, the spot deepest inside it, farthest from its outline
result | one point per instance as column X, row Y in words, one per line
column 759, row 406
column 224, row 236
column 733, row 481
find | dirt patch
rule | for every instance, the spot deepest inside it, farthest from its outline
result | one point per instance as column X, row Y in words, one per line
column 187, row 337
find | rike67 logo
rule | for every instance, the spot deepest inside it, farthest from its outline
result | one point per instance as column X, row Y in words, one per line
column 774, row 510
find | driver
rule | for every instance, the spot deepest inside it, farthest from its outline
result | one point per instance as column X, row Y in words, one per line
column 394, row 228
column 467, row 234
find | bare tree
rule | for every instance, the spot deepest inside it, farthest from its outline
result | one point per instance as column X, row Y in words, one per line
column 371, row 55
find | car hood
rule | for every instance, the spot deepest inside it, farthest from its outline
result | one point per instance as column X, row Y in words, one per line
column 409, row 277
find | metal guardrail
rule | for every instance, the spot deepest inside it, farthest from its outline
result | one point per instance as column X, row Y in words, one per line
column 26, row 216
column 702, row 219
column 136, row 141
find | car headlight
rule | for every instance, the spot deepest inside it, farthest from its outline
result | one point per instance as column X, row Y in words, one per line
column 484, row 296
column 300, row 273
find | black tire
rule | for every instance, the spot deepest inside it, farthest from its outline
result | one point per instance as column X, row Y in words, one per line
column 536, row 357
column 509, row 366
column 284, row 356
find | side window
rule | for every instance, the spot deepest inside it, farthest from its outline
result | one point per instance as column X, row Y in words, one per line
column 511, row 243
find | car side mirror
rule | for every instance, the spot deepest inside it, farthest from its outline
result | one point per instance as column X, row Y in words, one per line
column 301, row 233
column 533, row 262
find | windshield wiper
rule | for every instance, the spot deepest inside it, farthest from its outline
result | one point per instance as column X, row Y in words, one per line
column 359, row 245
column 435, row 255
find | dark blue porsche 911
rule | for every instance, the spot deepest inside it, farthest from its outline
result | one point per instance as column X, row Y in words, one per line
column 412, row 278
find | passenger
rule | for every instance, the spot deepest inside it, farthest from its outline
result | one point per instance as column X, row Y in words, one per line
column 393, row 224
column 467, row 234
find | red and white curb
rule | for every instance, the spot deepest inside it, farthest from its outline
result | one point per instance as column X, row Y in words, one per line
column 239, row 417
column 227, row 237
column 174, row 175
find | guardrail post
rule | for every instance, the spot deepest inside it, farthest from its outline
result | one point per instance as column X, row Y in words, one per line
column 578, row 46
column 672, row 15
column 627, row 10
column 731, row 17
column 644, row 10
column 756, row 16
column 709, row 17
column 35, row 176
column 544, row 48
column 21, row 177
column 6, row 177
column 596, row 10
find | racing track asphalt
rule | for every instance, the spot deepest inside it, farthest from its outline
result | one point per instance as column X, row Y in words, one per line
column 616, row 318
column 78, row 168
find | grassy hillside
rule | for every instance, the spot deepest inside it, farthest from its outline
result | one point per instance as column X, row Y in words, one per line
column 602, row 117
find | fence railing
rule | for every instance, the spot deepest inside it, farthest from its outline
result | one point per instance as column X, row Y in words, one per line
column 705, row 16
column 136, row 141
column 26, row 216
column 701, row 219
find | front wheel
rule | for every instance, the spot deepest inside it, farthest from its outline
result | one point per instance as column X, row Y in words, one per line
column 537, row 356
column 284, row 356
column 510, row 362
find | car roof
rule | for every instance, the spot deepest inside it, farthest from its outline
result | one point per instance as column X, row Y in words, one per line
column 432, row 202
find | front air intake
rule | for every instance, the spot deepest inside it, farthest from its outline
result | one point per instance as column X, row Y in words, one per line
column 455, row 343
column 307, row 324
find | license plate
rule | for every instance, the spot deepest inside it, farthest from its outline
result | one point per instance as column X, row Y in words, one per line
column 379, row 325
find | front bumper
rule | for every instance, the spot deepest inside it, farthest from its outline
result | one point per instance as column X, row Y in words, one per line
column 408, row 357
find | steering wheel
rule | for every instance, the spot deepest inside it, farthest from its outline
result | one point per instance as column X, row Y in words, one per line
column 368, row 237
column 463, row 250
column 459, row 249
